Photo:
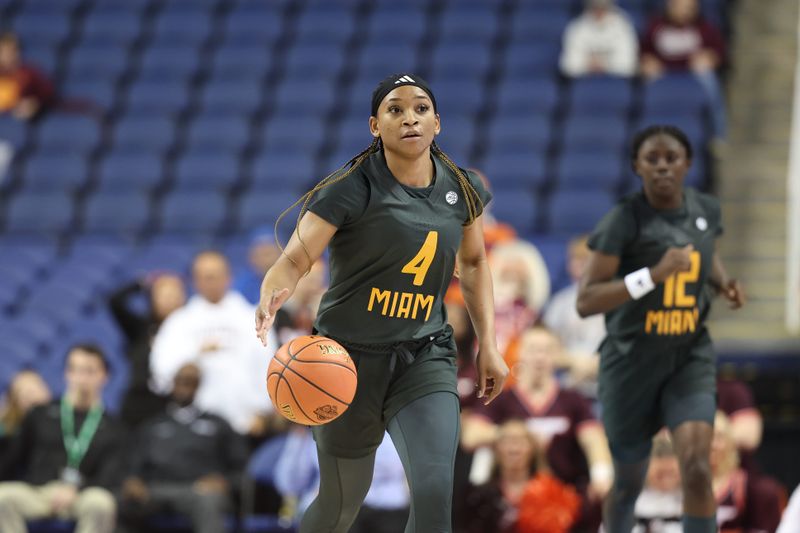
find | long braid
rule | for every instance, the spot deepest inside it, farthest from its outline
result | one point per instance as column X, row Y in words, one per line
column 334, row 177
column 471, row 198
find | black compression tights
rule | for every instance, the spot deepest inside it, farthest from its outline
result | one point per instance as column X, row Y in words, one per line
column 425, row 433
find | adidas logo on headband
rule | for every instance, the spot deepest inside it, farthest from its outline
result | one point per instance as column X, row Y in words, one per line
column 406, row 79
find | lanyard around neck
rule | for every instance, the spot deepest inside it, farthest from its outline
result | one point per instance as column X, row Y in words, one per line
column 77, row 445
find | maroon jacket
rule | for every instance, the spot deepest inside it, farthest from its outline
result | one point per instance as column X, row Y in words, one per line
column 750, row 504
column 24, row 82
column 673, row 45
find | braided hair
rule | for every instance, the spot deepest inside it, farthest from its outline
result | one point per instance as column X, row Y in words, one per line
column 471, row 198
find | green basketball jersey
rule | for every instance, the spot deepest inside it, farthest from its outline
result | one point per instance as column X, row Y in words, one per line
column 674, row 313
column 393, row 254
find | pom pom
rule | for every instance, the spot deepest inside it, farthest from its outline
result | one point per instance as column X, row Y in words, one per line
column 547, row 506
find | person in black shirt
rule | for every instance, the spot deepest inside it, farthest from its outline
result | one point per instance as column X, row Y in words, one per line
column 165, row 294
column 185, row 461
column 68, row 452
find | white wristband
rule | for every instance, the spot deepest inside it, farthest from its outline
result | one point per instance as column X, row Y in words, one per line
column 639, row 283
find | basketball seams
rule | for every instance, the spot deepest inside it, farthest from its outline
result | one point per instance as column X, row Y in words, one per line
column 294, row 355
column 301, row 376
column 297, row 403
column 300, row 361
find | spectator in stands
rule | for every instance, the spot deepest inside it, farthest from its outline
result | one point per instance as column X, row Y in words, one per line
column 26, row 391
column 520, row 495
column 69, row 451
column 602, row 40
column 659, row 507
column 25, row 92
column 184, row 461
column 735, row 399
column 790, row 522
column 745, row 501
column 680, row 40
column 580, row 336
column 166, row 293
column 261, row 255
column 521, row 287
column 302, row 308
column 214, row 330
column 574, row 442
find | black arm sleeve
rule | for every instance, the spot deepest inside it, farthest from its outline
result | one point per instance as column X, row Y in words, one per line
column 131, row 324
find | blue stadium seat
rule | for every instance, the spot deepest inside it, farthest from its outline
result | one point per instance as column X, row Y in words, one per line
column 313, row 61
column 39, row 213
column 291, row 133
column 73, row 133
column 61, row 302
column 100, row 93
column 517, row 97
column 515, row 170
column 263, row 209
column 593, row 131
column 258, row 23
column 103, row 252
column 130, row 171
column 576, row 212
column 116, row 212
column 57, row 171
column 20, row 351
column 118, row 22
column 42, row 56
column 237, row 60
column 304, row 98
column 147, row 133
column 587, row 169
column 456, row 99
column 204, row 169
column 192, row 27
column 193, row 212
column 383, row 26
column 97, row 60
column 674, row 91
column 169, row 62
column 330, row 23
column 224, row 132
column 460, row 60
column 528, row 133
column 530, row 61
column 41, row 27
column 13, row 131
column 536, row 22
column 232, row 96
column 601, row 94
column 31, row 257
column 459, row 23
column 517, row 207
column 372, row 62
column 156, row 96
column 281, row 171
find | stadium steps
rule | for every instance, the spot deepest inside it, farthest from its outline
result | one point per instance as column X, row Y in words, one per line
column 752, row 182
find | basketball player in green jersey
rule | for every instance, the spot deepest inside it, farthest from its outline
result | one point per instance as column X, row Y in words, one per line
column 652, row 271
column 398, row 219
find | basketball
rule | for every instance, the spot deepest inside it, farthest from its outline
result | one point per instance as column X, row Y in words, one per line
column 311, row 380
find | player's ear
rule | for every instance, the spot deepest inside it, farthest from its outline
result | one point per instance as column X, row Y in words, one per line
column 373, row 127
column 437, row 125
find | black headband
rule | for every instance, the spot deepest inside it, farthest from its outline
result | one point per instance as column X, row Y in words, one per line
column 398, row 80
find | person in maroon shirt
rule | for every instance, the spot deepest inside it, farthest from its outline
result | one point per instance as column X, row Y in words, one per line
column 735, row 399
column 746, row 502
column 24, row 91
column 575, row 443
column 680, row 40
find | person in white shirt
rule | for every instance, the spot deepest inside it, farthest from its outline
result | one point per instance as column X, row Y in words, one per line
column 214, row 330
column 580, row 337
column 790, row 523
column 602, row 40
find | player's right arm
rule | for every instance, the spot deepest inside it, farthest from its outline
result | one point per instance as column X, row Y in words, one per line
column 281, row 280
column 599, row 292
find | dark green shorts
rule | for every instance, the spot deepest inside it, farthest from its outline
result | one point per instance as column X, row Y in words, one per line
column 642, row 392
column 382, row 391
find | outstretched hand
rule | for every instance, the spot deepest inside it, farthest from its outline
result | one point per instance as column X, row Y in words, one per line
column 265, row 313
column 492, row 373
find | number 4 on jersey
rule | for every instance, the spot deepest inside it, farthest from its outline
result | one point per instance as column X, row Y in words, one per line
column 422, row 261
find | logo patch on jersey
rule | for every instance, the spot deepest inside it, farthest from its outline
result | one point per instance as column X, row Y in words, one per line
column 701, row 223
column 451, row 197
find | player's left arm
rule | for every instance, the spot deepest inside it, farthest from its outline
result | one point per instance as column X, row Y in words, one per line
column 476, row 285
column 594, row 444
column 728, row 287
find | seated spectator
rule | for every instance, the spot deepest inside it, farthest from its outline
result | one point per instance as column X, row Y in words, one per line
column 302, row 307
column 745, row 502
column 790, row 522
column 165, row 293
column 521, row 287
column 261, row 255
column 215, row 331
column 500, row 505
column 184, row 461
column 385, row 507
column 680, row 40
column 659, row 508
column 574, row 442
column 735, row 399
column 602, row 40
column 24, row 91
column 69, row 451
column 581, row 337
column 26, row 391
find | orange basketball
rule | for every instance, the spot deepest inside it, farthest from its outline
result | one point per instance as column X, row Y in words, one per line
column 311, row 380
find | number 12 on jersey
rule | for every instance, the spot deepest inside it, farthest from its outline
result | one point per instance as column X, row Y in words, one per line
column 675, row 285
column 418, row 267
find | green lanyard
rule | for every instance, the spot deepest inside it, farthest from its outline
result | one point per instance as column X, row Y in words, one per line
column 76, row 445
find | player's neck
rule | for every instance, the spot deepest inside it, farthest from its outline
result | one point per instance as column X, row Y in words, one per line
column 416, row 172
column 664, row 203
